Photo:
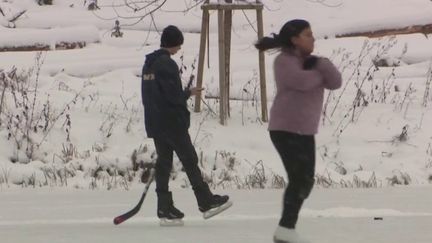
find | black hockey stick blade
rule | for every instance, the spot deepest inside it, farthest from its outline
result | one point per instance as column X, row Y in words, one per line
column 120, row 219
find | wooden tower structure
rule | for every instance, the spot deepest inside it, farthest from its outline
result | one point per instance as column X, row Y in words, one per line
column 225, row 9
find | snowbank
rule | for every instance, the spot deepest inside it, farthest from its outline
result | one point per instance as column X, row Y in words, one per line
column 15, row 38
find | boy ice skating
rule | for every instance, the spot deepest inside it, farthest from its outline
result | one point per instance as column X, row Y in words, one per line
column 167, row 121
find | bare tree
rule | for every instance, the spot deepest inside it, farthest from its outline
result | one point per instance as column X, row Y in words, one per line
column 136, row 10
column 11, row 20
column 327, row 2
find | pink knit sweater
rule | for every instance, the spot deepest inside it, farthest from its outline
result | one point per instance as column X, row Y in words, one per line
column 299, row 98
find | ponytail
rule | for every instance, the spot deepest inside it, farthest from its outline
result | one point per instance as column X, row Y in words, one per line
column 283, row 39
column 267, row 43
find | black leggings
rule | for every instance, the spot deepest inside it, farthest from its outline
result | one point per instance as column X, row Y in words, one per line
column 298, row 156
column 179, row 142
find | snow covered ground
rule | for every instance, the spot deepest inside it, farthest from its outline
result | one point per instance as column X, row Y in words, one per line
column 375, row 132
column 329, row 216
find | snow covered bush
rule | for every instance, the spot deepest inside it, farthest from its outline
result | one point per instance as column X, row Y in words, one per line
column 27, row 117
column 91, row 4
column 357, row 180
column 45, row 2
column 226, row 170
column 427, row 94
column 399, row 178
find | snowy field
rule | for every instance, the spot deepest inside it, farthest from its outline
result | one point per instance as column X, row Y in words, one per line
column 87, row 117
column 330, row 216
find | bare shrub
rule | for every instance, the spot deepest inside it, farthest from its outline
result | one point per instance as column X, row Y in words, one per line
column 327, row 181
column 399, row 178
column 27, row 117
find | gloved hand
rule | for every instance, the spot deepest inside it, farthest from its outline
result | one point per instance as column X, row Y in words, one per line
column 310, row 62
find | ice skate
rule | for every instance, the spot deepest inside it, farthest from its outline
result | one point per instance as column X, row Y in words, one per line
column 216, row 205
column 170, row 217
column 285, row 235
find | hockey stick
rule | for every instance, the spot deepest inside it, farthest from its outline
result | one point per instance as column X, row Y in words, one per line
column 191, row 79
column 120, row 219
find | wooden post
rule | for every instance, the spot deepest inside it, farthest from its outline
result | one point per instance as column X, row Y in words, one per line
column 202, row 50
column 222, row 82
column 263, row 88
column 224, row 43
column 228, row 26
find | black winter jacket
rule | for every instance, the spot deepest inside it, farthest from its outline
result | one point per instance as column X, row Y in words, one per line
column 164, row 100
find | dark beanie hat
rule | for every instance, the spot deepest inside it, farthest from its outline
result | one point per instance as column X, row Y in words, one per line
column 171, row 37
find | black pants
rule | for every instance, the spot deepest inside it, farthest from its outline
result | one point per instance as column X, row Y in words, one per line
column 179, row 142
column 298, row 156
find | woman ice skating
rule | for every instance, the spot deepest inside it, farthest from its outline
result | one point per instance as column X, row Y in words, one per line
column 301, row 79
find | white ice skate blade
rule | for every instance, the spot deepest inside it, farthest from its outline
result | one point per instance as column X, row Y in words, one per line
column 281, row 241
column 287, row 241
column 215, row 211
column 171, row 222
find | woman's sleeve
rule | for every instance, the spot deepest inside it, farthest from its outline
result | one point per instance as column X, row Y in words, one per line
column 289, row 74
column 331, row 75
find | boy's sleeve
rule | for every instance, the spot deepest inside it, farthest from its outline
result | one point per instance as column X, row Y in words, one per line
column 170, row 82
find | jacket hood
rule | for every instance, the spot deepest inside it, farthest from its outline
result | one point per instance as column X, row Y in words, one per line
column 152, row 57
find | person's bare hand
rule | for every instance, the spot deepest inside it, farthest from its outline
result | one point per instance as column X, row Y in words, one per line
column 196, row 90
